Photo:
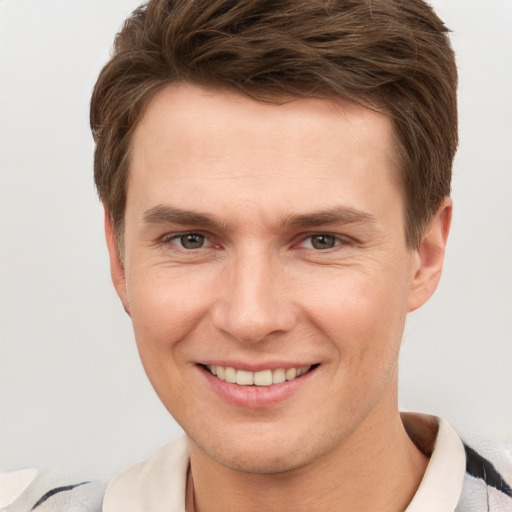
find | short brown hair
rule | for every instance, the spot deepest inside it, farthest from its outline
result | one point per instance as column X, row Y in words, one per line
column 390, row 55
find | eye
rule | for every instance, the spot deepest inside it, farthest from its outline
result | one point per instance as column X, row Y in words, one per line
column 322, row 241
column 189, row 241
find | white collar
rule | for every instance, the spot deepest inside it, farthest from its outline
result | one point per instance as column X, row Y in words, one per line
column 13, row 483
column 159, row 483
column 440, row 488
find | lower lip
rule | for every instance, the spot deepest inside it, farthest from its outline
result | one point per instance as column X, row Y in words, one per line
column 255, row 397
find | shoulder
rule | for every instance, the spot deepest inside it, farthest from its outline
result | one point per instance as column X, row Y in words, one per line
column 49, row 491
column 466, row 476
column 486, row 481
column 156, row 484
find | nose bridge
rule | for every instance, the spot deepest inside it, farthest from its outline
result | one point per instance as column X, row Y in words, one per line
column 253, row 304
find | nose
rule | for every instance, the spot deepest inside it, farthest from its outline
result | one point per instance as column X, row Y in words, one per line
column 252, row 304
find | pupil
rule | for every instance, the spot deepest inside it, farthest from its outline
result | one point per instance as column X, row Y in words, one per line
column 323, row 241
column 192, row 241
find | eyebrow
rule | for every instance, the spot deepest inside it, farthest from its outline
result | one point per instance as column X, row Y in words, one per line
column 337, row 215
column 166, row 214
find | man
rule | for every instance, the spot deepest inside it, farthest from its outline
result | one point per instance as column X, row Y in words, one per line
column 276, row 180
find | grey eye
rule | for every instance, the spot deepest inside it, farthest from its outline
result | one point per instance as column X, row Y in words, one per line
column 192, row 240
column 323, row 241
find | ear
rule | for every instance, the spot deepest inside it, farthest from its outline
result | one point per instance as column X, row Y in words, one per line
column 116, row 264
column 429, row 257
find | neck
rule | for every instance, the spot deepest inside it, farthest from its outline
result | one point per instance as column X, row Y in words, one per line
column 377, row 467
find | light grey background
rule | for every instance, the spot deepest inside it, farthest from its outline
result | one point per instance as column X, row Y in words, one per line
column 72, row 391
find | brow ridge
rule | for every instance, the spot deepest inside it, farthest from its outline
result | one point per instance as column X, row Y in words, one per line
column 162, row 214
column 337, row 215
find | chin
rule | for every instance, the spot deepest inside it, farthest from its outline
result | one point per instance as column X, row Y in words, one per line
column 266, row 453
column 259, row 460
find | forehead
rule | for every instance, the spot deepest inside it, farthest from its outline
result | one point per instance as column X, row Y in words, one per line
column 192, row 139
column 196, row 112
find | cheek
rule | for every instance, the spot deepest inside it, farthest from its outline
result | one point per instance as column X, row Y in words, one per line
column 165, row 308
column 364, row 326
column 165, row 314
column 363, row 314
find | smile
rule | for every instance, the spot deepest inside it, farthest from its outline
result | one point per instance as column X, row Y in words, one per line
column 260, row 378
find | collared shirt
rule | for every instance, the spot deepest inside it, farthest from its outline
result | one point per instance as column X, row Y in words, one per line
column 457, row 479
column 159, row 483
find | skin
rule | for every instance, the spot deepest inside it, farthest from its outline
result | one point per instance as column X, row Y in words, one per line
column 260, row 184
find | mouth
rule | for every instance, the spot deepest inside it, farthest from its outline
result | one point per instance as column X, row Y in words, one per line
column 262, row 378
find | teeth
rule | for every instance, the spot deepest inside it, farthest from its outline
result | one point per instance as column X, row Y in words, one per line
column 261, row 378
column 291, row 373
column 303, row 370
column 230, row 375
column 278, row 376
column 244, row 378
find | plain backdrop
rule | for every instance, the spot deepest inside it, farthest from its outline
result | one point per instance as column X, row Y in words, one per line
column 72, row 390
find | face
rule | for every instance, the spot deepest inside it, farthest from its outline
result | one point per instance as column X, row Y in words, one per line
column 266, row 272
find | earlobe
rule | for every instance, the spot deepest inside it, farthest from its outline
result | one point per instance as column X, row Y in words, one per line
column 116, row 265
column 429, row 257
